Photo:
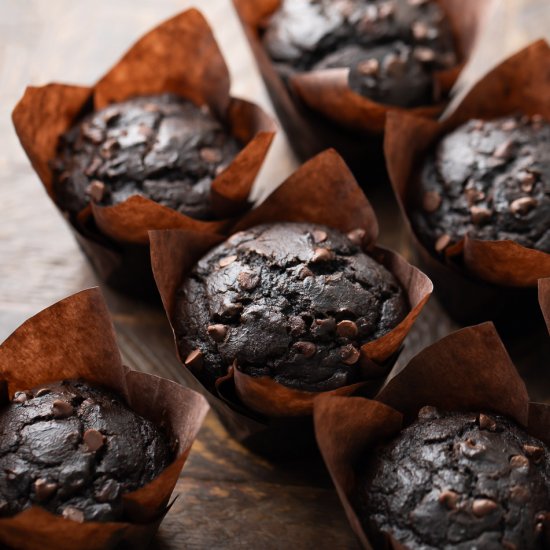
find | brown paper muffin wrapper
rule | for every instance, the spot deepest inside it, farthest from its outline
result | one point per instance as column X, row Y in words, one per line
column 179, row 56
column 476, row 280
column 319, row 110
column 308, row 195
column 544, row 300
column 468, row 371
column 74, row 338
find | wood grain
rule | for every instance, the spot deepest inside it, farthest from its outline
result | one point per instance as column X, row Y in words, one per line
column 228, row 498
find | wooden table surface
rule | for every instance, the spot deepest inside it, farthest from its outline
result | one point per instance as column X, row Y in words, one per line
column 228, row 498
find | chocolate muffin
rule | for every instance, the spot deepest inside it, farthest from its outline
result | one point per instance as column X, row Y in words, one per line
column 161, row 147
column 292, row 301
column 455, row 480
column 75, row 450
column 392, row 47
column 489, row 180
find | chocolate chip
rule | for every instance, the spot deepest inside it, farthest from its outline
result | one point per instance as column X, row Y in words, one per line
column 61, row 409
column 478, row 125
column 110, row 116
column 442, row 242
column 470, row 448
column 519, row 494
column 386, row 10
column 151, row 108
column 483, row 506
column 486, row 423
column 230, row 309
column 307, row 349
column 247, row 280
column 526, row 181
column 194, row 359
column 533, row 452
column 522, row 206
column 211, row 155
column 420, row 30
column 108, row 147
column 368, row 67
column 108, row 492
column 480, row 215
column 44, row 489
column 217, row 332
column 322, row 255
column 356, row 236
column 323, row 327
column 428, row 413
column 93, row 439
column 424, row 55
column 42, row 391
column 319, row 236
column 473, row 195
column 224, row 262
column 346, row 329
column 504, row 150
column 431, row 201
column 94, row 166
column 91, row 133
column 449, row 499
column 74, row 514
column 96, row 190
column 393, row 65
column 21, row 396
column 349, row 354
column 519, row 462
column 304, row 273
column 509, row 125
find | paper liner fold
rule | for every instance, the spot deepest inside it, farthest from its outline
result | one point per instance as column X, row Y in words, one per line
column 469, row 370
column 476, row 280
column 252, row 405
column 318, row 110
column 74, row 338
column 179, row 56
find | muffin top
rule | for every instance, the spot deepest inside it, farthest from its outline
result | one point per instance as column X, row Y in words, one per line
column 456, row 480
column 292, row 301
column 161, row 147
column 75, row 449
column 489, row 180
column 392, row 47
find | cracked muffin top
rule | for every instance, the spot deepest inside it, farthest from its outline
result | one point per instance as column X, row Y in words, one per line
column 458, row 480
column 161, row 147
column 292, row 301
column 489, row 180
column 75, row 450
column 392, row 47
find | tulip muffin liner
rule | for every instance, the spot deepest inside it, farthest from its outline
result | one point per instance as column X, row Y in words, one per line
column 544, row 300
column 75, row 339
column 180, row 56
column 318, row 109
column 476, row 280
column 263, row 414
column 468, row 371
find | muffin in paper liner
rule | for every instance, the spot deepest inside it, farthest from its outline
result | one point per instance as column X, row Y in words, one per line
column 74, row 339
column 476, row 280
column 319, row 110
column 267, row 416
column 181, row 57
column 467, row 371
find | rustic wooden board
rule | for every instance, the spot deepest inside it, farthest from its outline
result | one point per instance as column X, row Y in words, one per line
column 228, row 498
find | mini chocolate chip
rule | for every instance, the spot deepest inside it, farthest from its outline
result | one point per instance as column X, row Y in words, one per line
column 386, row 10
column 428, row 413
column 519, row 462
column 442, row 242
column 393, row 65
column 96, row 190
column 231, row 309
column 349, row 354
column 91, row 133
column 369, row 67
column 42, row 391
column 109, row 147
column 151, row 108
column 305, row 272
column 522, row 206
column 346, row 329
column 504, row 150
column 307, row 349
column 210, row 154
column 228, row 260
column 533, row 452
column 431, row 201
column 93, row 439
column 110, row 116
column 322, row 255
column 217, row 332
column 424, row 55
column 319, row 236
column 483, row 506
column 480, row 215
column 74, row 514
column 449, row 499
column 470, row 448
column 44, row 489
column 194, row 359
column 61, row 409
column 509, row 125
column 519, row 494
column 473, row 195
column 419, row 30
column 108, row 492
column 247, row 280
column 21, row 396
column 356, row 236
column 486, row 423
column 297, row 325
column 526, row 181
column 94, row 166
column 323, row 327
